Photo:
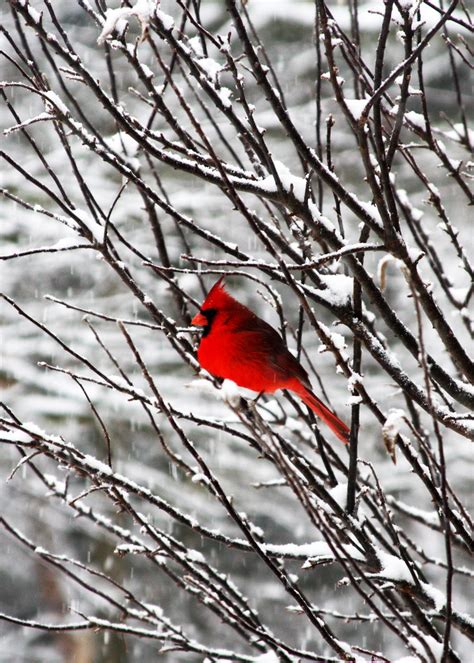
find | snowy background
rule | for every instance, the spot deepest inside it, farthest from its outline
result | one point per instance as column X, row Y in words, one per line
column 40, row 283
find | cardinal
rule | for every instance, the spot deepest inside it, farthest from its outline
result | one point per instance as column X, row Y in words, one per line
column 238, row 345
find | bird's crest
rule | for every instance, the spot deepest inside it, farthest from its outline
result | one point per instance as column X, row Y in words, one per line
column 217, row 295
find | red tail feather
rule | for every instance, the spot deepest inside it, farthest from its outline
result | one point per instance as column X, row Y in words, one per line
column 337, row 426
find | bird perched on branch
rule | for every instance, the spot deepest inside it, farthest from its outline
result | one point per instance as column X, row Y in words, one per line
column 238, row 345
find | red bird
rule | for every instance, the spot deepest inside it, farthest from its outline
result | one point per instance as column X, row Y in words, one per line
column 240, row 346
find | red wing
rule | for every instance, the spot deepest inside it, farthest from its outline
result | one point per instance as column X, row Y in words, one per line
column 254, row 356
column 278, row 355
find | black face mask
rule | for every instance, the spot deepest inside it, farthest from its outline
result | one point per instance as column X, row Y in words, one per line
column 209, row 314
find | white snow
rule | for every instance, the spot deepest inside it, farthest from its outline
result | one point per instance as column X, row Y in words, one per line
column 457, row 133
column 56, row 101
column 394, row 568
column 356, row 106
column 96, row 230
column 311, row 551
column 297, row 184
column 65, row 243
column 147, row 71
column 338, row 290
column 166, row 20
column 339, row 341
column 129, row 549
column 339, row 494
column 289, row 181
column 14, row 436
column 354, row 400
column 195, row 556
column 143, row 10
column 97, row 465
column 372, row 210
column 196, row 46
column 323, row 220
column 35, row 15
column 435, row 647
column 225, row 94
column 42, row 117
column 231, row 393
column 268, row 184
column 416, row 119
column 199, row 477
column 34, row 429
column 268, row 657
column 354, row 380
column 111, row 23
column 211, row 68
column 436, row 595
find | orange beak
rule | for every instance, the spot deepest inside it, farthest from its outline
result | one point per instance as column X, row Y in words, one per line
column 199, row 320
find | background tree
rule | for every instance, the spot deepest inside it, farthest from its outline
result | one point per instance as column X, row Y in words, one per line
column 318, row 155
